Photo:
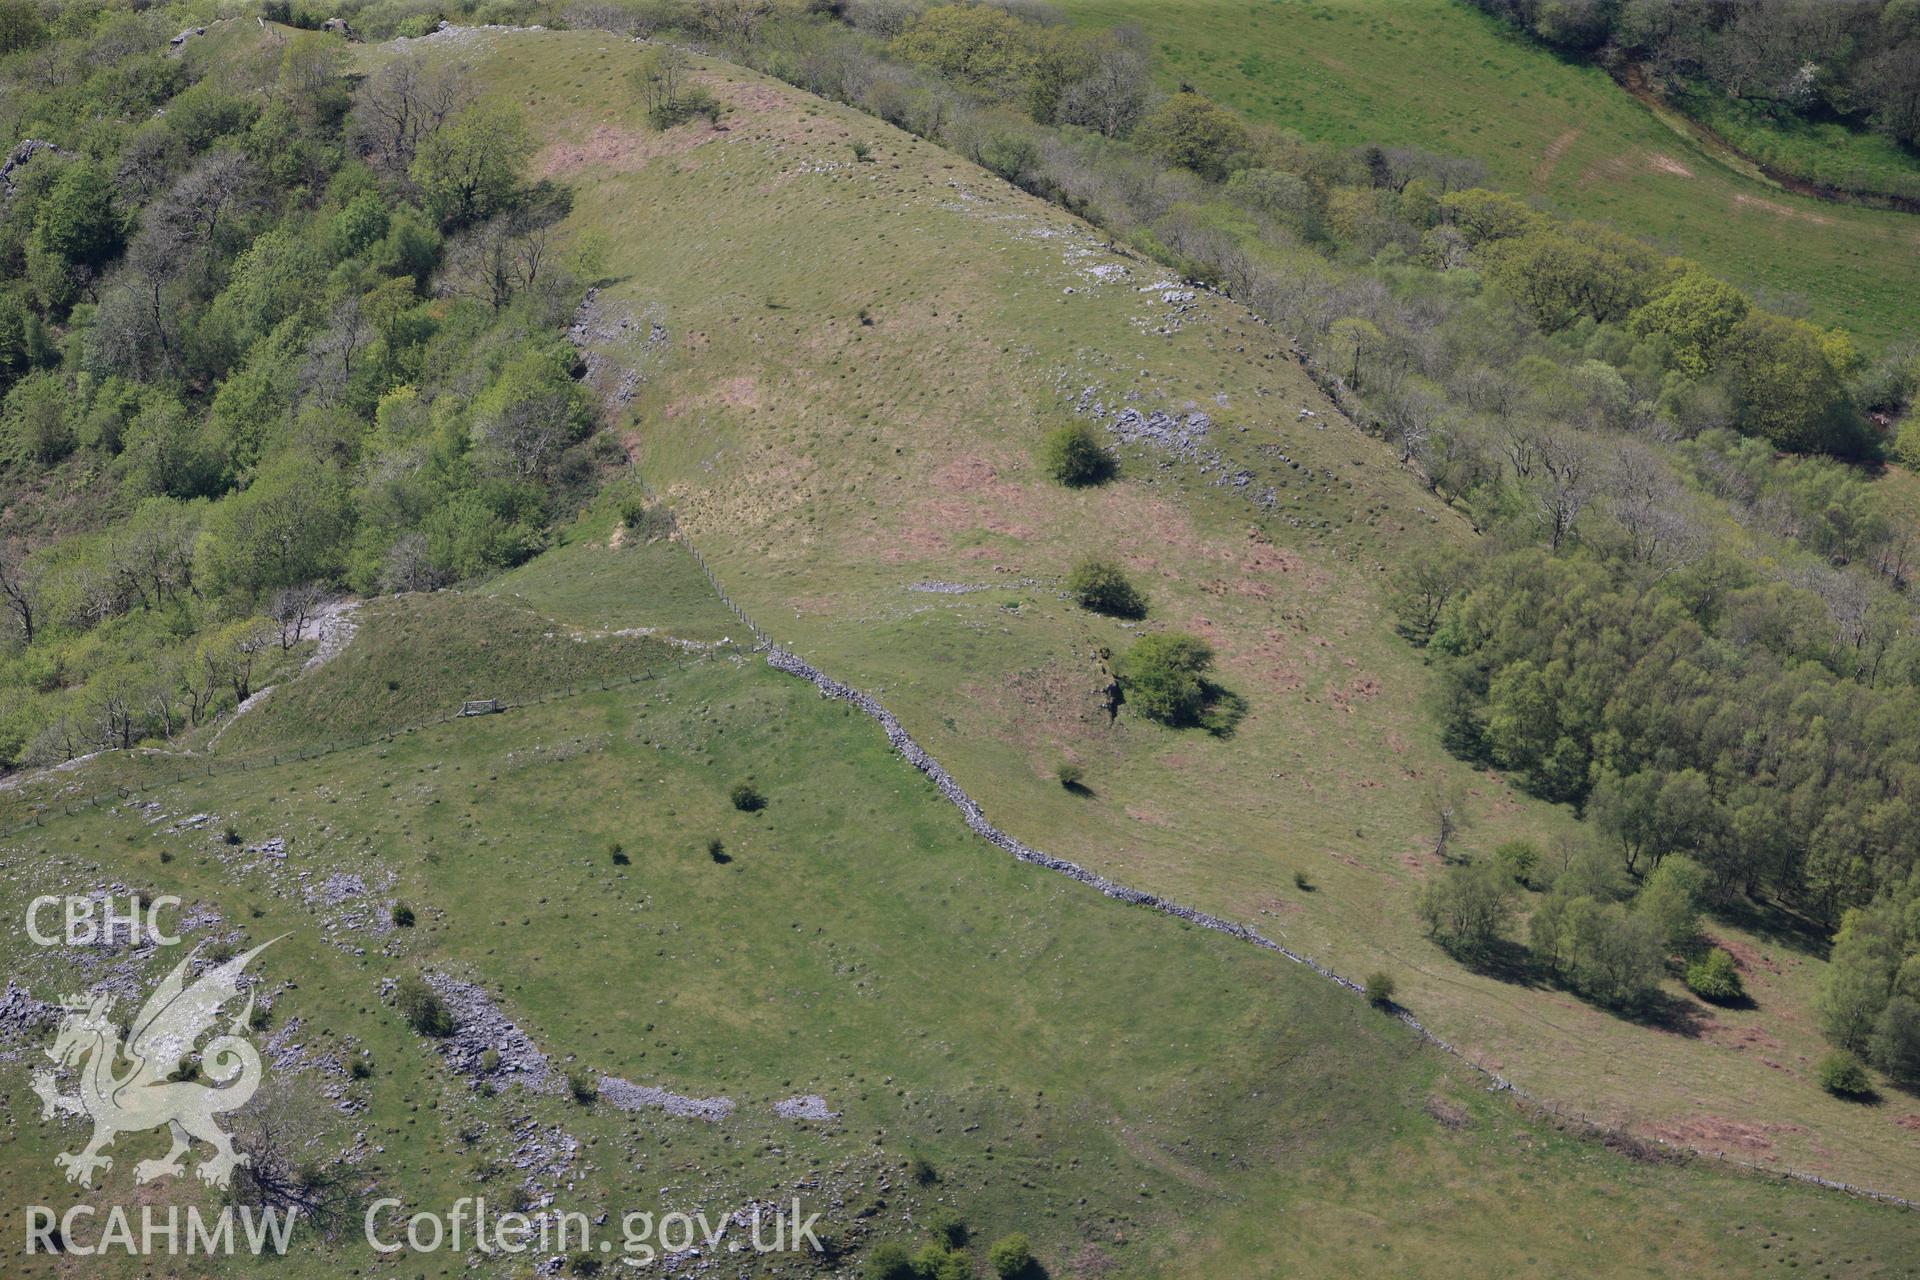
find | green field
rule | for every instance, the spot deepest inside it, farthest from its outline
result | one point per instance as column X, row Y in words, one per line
column 1439, row 75
column 1141, row 1097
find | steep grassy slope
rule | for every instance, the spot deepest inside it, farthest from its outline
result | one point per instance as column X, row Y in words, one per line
column 1145, row 1099
column 1437, row 74
column 862, row 355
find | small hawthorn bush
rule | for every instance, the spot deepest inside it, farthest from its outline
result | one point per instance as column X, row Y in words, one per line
column 1103, row 587
column 948, row 1228
column 1162, row 675
column 422, row 1007
column 1380, row 990
column 1521, row 858
column 746, row 799
column 1841, row 1075
column 1715, row 977
column 1074, row 455
column 1010, row 1256
column 889, row 1261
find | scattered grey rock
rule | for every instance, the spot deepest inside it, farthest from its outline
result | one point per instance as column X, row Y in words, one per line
column 609, row 341
column 808, row 1106
column 336, row 889
column 334, row 629
column 23, row 1020
column 1184, row 438
column 479, row 1026
column 949, row 588
column 628, row 1096
column 22, row 153
column 545, row 1153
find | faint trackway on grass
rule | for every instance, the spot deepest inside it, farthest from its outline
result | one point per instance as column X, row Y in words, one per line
column 333, row 630
column 785, row 660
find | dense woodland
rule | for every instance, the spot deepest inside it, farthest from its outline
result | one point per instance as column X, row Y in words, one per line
column 264, row 334
column 269, row 331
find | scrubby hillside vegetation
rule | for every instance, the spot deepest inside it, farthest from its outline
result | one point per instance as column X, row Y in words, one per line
column 1314, row 534
column 1554, row 126
column 260, row 340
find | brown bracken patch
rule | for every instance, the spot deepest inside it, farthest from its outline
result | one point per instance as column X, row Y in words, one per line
column 1744, row 956
column 619, row 150
column 1719, row 1134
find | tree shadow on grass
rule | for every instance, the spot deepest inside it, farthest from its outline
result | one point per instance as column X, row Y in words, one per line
column 1504, row 960
column 1663, row 1011
column 1223, row 710
column 1775, row 925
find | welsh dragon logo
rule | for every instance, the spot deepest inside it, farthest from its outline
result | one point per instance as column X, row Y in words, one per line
column 160, row 1039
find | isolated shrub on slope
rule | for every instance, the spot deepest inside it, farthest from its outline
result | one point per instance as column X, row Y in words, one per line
column 1074, row 456
column 1714, row 977
column 422, row 1007
column 1103, row 586
column 1841, row 1074
column 1162, row 677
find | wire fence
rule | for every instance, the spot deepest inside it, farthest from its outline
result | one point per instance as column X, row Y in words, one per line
column 761, row 639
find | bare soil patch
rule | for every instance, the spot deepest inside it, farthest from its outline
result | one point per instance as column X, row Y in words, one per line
column 1550, row 158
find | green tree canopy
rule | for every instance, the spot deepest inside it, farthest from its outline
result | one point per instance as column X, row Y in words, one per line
column 980, row 45
column 290, row 526
column 469, row 169
column 1162, row 675
column 1788, row 385
column 1697, row 315
column 1195, row 133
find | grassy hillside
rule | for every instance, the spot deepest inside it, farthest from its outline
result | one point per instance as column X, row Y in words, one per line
column 865, row 353
column 855, row 343
column 1437, row 74
column 1142, row 1098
